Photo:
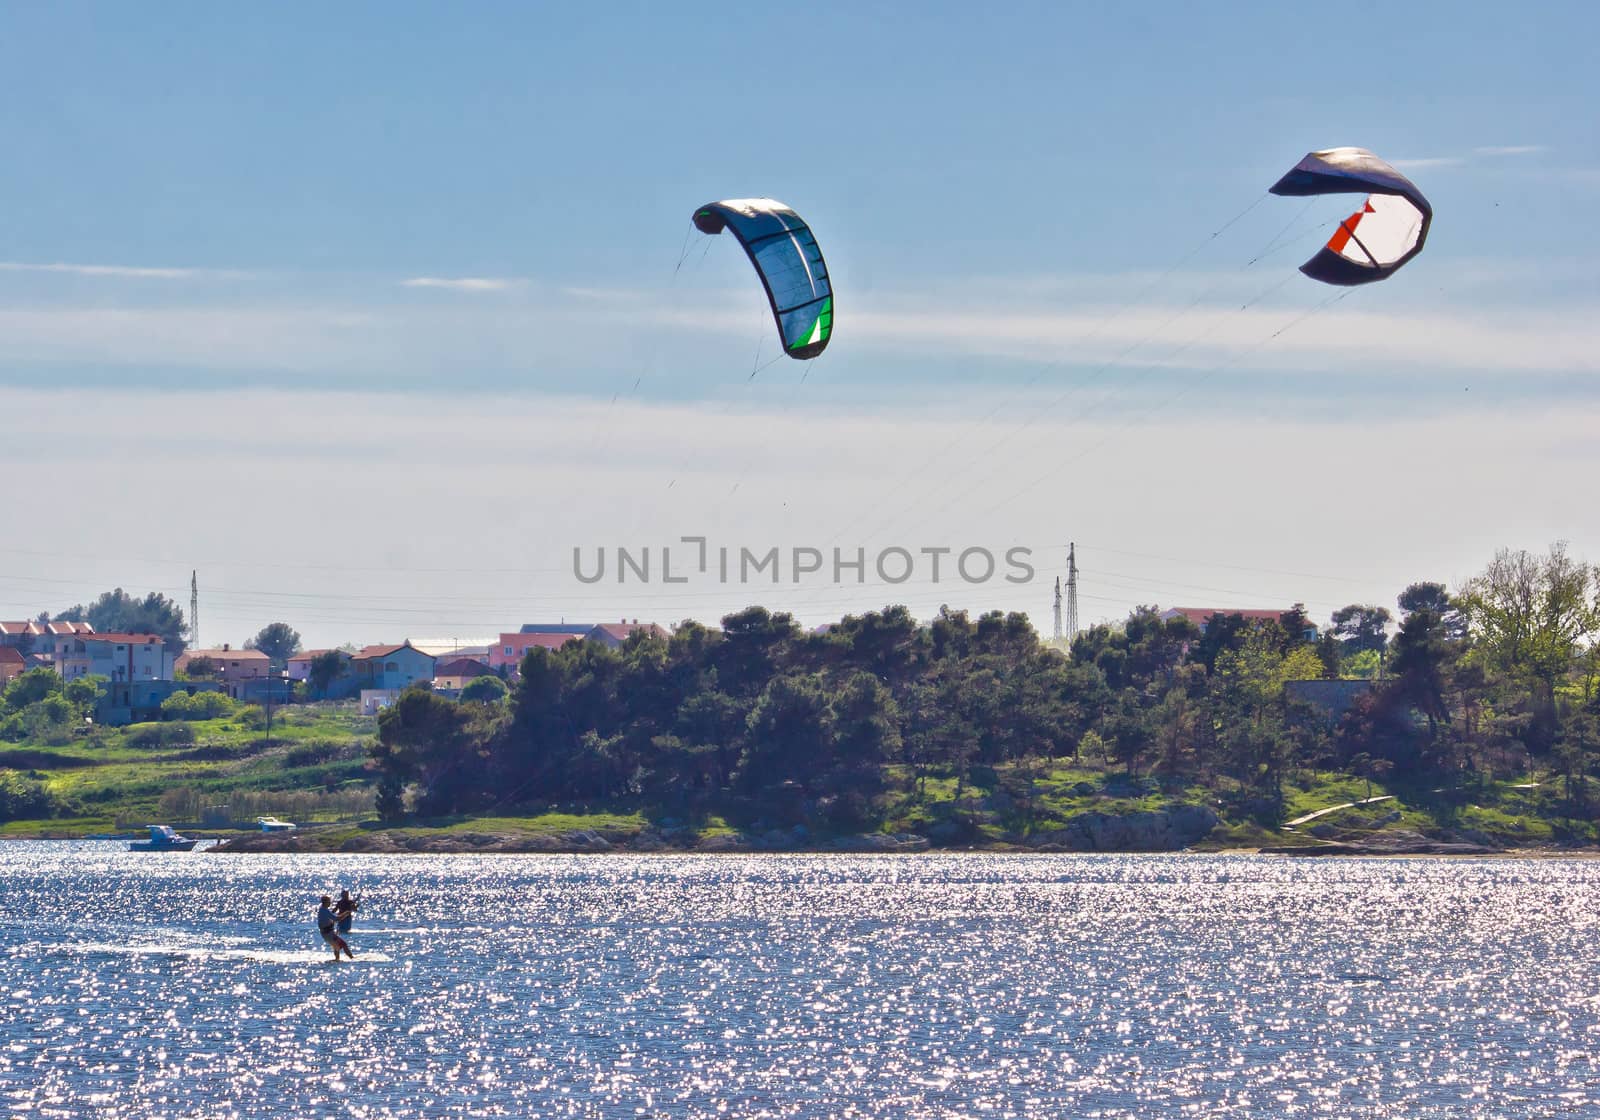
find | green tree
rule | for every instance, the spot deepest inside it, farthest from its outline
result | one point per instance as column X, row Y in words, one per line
column 117, row 612
column 21, row 799
column 201, row 669
column 1366, row 767
column 1295, row 627
column 1433, row 597
column 486, row 689
column 279, row 641
column 790, row 733
column 197, row 706
column 1529, row 615
column 30, row 688
column 436, row 745
column 325, row 669
column 1430, row 640
column 1359, row 627
column 865, row 722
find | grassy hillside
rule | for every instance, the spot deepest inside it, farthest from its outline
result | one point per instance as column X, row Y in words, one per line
column 312, row 767
column 313, row 770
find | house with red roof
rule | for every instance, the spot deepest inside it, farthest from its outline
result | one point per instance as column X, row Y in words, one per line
column 298, row 667
column 615, row 633
column 506, row 654
column 117, row 657
column 382, row 673
column 392, row 667
column 1201, row 616
column 233, row 665
column 12, row 665
column 37, row 640
column 453, row 676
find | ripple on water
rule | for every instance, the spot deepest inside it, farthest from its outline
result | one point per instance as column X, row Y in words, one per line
column 926, row 986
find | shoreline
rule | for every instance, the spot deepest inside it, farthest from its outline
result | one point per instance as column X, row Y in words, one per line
column 331, row 840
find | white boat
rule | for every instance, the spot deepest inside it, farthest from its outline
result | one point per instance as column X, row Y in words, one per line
column 162, row 839
column 273, row 824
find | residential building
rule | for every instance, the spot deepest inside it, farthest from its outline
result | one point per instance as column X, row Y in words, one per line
column 140, row 701
column 298, row 667
column 506, row 655
column 615, row 633
column 233, row 665
column 300, row 664
column 453, row 676
column 263, row 691
column 342, row 686
column 117, row 657
column 1201, row 616
column 374, row 700
column 12, row 665
column 392, row 667
column 37, row 640
column 452, row 650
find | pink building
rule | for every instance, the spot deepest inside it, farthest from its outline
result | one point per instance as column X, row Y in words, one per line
column 615, row 633
column 507, row 652
column 233, row 665
column 1201, row 616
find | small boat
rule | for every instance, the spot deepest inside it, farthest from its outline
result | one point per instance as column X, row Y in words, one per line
column 163, row 839
column 273, row 824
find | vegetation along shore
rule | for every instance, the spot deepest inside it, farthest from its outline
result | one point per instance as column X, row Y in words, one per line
column 1465, row 721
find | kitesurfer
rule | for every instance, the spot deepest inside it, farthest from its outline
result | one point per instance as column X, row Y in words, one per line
column 345, row 910
column 327, row 921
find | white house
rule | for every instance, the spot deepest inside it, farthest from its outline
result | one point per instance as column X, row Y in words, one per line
column 118, row 657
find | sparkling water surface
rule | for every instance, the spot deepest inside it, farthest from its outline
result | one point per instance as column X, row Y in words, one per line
column 194, row 985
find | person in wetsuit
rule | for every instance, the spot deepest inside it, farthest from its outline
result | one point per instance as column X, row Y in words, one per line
column 345, row 910
column 327, row 921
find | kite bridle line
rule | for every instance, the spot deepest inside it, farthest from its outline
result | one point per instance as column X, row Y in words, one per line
column 655, row 355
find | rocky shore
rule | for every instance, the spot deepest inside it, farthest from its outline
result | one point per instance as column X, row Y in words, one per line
column 1396, row 842
column 1162, row 830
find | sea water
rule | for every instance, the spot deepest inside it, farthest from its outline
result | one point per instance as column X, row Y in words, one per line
column 195, row 985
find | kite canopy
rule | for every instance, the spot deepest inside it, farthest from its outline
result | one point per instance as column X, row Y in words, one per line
column 1376, row 240
column 789, row 263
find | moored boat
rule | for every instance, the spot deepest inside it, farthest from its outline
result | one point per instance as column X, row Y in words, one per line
column 163, row 839
column 273, row 824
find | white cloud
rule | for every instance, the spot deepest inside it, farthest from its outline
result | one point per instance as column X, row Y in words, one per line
column 560, row 340
column 1429, row 161
column 1506, row 341
column 127, row 272
column 496, row 493
column 1491, row 152
column 462, row 283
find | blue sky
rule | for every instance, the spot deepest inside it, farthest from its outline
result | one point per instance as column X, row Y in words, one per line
column 403, row 276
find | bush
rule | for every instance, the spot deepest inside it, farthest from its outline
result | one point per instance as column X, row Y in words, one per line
column 310, row 754
column 197, row 705
column 485, row 689
column 22, row 800
column 159, row 735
